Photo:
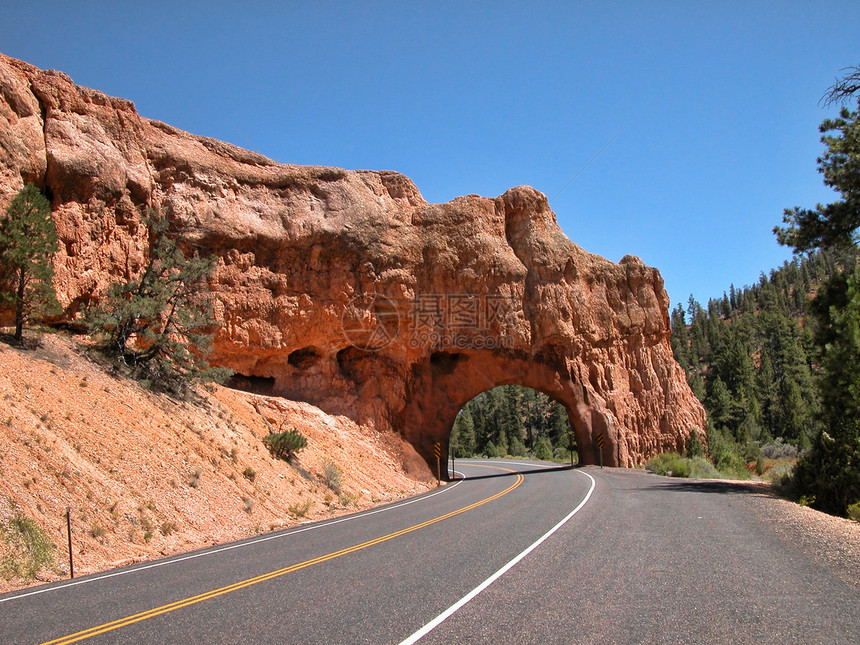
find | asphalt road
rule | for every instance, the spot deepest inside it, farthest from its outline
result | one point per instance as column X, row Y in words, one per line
column 544, row 555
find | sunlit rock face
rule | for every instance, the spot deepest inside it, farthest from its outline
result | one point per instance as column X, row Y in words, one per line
column 347, row 289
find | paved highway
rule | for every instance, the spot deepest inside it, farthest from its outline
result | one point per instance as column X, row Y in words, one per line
column 517, row 552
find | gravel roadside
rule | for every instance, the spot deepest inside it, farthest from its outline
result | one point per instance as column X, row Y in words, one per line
column 832, row 541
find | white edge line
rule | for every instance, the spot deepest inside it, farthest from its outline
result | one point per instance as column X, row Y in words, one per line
column 162, row 563
column 433, row 624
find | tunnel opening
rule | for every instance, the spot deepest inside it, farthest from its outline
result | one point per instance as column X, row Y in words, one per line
column 514, row 421
column 439, row 390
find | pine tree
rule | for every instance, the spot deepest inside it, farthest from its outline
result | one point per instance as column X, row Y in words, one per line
column 28, row 240
column 734, row 366
column 832, row 225
column 561, row 435
column 830, row 472
column 517, row 448
column 699, row 349
column 463, row 433
column 794, row 398
column 161, row 322
column 543, row 449
column 680, row 339
column 481, row 418
column 722, row 409
column 768, row 395
column 515, row 420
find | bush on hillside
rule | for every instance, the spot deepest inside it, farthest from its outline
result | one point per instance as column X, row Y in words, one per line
column 285, row 444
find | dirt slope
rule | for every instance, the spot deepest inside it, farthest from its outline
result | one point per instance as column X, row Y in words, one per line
column 146, row 475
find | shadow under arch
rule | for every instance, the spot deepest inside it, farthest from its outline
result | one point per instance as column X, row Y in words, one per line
column 442, row 383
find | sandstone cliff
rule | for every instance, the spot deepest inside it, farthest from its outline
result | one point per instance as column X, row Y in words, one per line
column 346, row 289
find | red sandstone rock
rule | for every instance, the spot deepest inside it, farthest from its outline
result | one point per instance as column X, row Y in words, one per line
column 347, row 289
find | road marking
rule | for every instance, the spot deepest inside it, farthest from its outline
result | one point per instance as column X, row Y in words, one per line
column 239, row 545
column 531, row 464
column 433, row 624
column 236, row 586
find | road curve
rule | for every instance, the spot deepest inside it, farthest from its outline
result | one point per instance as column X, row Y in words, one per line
column 517, row 552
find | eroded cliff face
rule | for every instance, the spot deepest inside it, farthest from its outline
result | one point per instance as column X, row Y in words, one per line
column 347, row 289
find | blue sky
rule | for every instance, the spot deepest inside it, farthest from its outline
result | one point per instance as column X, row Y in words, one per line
column 716, row 103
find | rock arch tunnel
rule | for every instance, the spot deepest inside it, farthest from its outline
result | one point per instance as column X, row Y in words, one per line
column 296, row 245
column 445, row 381
column 395, row 313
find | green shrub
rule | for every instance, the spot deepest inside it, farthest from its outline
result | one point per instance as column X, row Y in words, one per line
column 669, row 463
column 249, row 473
column 751, row 452
column 347, row 499
column 332, row 476
column 679, row 468
column 30, row 549
column 655, row 464
column 778, row 449
column 285, row 444
column 301, row 509
column 727, row 455
column 701, row 468
column 829, row 474
column 854, row 511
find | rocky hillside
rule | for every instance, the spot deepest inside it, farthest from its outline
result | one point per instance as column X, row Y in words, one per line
column 146, row 475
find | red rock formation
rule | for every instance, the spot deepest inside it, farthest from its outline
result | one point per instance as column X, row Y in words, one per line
column 346, row 288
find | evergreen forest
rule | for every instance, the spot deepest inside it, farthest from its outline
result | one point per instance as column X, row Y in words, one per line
column 515, row 421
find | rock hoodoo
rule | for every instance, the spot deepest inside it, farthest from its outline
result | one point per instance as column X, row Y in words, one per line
column 347, row 289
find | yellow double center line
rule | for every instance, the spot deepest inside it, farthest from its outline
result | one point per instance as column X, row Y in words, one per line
column 236, row 586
